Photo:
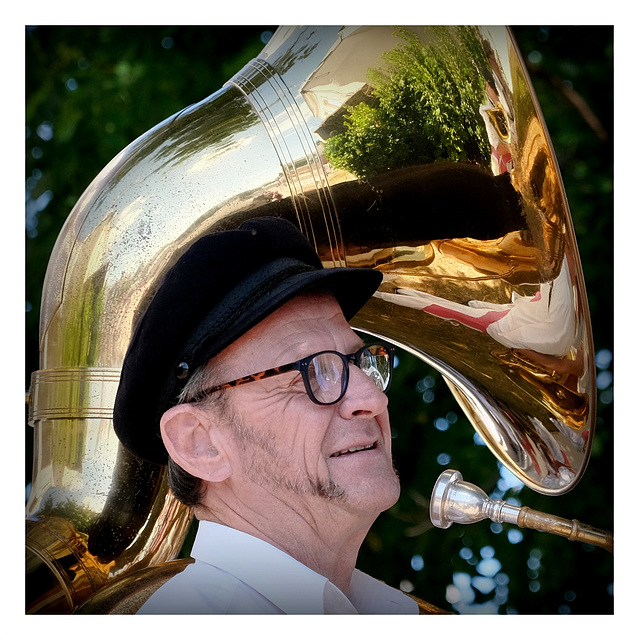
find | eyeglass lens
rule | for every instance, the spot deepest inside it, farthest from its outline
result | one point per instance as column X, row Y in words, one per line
column 376, row 363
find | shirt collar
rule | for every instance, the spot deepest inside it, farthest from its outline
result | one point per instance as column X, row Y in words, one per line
column 372, row 596
column 298, row 589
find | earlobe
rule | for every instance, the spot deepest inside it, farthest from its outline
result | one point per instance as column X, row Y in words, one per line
column 189, row 437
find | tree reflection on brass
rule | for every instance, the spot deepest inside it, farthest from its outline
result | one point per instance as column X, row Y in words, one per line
column 424, row 108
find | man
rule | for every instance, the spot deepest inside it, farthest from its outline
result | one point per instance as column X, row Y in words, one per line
column 245, row 376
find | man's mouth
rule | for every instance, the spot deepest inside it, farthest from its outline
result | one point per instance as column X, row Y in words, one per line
column 367, row 447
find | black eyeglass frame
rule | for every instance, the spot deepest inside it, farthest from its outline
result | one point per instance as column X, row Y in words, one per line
column 302, row 366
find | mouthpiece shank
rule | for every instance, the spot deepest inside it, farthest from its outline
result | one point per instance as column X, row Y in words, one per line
column 571, row 529
column 454, row 500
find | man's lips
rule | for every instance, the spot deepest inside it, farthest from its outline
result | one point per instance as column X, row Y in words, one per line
column 356, row 449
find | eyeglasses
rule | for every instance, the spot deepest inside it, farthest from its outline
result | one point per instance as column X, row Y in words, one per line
column 325, row 374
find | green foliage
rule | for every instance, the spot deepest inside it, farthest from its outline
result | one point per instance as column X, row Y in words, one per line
column 425, row 106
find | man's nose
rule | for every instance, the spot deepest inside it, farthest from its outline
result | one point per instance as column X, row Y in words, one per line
column 363, row 397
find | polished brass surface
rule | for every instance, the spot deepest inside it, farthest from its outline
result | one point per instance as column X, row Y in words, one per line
column 126, row 594
column 420, row 152
column 454, row 500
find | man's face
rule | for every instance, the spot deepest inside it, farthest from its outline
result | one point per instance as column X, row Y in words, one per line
column 336, row 456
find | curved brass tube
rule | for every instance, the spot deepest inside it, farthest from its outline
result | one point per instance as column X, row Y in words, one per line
column 454, row 500
column 452, row 192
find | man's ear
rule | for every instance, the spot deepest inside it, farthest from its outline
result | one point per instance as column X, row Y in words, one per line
column 190, row 437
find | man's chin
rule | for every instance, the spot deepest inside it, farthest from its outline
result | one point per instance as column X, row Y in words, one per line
column 374, row 497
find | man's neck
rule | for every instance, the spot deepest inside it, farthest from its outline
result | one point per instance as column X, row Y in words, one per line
column 326, row 540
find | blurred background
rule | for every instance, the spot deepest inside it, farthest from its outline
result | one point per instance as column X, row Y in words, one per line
column 90, row 91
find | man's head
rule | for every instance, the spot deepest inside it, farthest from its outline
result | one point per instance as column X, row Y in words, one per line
column 269, row 438
column 239, row 303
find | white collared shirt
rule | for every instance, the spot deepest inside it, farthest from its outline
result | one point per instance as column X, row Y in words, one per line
column 235, row 573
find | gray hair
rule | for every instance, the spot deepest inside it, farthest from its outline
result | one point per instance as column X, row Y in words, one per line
column 187, row 488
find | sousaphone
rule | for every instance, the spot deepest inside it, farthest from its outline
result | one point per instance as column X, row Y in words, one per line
column 418, row 151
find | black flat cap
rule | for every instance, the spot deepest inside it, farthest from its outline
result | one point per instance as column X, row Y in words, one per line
column 223, row 285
